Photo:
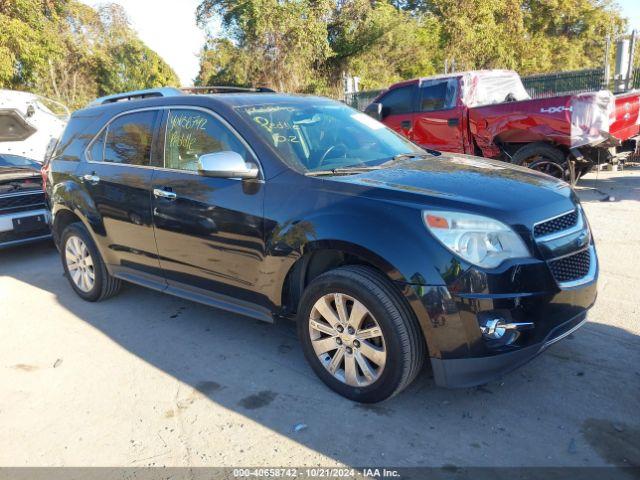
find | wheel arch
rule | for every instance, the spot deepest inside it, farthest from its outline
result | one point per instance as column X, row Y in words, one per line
column 321, row 256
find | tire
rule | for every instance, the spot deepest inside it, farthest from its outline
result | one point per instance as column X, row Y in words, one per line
column 544, row 158
column 400, row 337
column 73, row 238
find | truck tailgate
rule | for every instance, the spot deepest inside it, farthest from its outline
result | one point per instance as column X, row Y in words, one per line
column 627, row 121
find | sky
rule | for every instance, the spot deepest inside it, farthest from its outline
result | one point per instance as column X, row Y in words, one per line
column 631, row 10
column 169, row 27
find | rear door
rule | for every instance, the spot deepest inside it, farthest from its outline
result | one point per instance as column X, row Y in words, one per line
column 117, row 177
column 209, row 231
column 397, row 109
column 439, row 121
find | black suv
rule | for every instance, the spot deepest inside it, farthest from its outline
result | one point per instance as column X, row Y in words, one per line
column 299, row 207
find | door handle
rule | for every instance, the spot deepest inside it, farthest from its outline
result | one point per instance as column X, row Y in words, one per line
column 406, row 124
column 91, row 178
column 160, row 193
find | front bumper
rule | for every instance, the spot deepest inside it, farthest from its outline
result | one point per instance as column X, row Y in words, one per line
column 470, row 372
column 450, row 317
column 10, row 237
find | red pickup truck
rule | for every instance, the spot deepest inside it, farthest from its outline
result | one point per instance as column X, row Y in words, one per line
column 489, row 113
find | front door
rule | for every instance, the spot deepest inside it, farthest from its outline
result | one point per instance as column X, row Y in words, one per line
column 397, row 109
column 117, row 175
column 438, row 122
column 209, row 231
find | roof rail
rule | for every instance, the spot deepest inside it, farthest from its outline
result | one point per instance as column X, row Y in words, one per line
column 137, row 95
column 225, row 89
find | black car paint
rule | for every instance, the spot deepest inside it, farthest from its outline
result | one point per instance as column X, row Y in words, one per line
column 236, row 244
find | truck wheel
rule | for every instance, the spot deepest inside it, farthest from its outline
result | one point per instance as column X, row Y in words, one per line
column 543, row 158
column 358, row 335
column 83, row 265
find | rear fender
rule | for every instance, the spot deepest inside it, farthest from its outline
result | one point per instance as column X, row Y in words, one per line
column 527, row 121
column 68, row 196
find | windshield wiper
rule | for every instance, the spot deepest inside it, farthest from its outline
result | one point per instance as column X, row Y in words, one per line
column 341, row 171
column 14, row 167
column 407, row 156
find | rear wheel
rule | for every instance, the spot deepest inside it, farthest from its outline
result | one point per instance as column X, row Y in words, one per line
column 83, row 265
column 358, row 335
column 543, row 158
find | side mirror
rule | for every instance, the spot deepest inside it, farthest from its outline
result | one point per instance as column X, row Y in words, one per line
column 375, row 110
column 225, row 165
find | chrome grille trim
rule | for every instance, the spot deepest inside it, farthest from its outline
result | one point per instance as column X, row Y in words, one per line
column 561, row 267
column 589, row 277
column 579, row 225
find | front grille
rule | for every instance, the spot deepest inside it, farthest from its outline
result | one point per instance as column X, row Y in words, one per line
column 556, row 224
column 572, row 267
column 16, row 203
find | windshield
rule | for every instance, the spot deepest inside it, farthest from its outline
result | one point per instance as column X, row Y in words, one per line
column 16, row 161
column 326, row 135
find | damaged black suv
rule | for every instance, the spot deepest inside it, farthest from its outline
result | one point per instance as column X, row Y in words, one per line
column 280, row 206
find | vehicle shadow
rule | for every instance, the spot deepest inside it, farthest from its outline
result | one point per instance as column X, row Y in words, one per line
column 557, row 410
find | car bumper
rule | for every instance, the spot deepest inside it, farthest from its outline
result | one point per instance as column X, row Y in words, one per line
column 10, row 236
column 470, row 372
column 452, row 320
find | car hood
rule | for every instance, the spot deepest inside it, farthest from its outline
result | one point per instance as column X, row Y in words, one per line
column 463, row 181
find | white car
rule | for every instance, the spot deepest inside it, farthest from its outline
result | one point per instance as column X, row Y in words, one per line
column 30, row 126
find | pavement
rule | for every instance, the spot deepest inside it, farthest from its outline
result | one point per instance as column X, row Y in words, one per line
column 146, row 379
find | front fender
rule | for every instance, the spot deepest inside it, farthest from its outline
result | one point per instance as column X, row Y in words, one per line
column 402, row 253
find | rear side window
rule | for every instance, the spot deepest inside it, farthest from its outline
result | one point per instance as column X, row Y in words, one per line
column 438, row 95
column 398, row 100
column 129, row 138
column 96, row 152
column 191, row 133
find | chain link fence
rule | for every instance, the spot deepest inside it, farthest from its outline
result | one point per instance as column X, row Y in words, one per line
column 635, row 78
column 561, row 83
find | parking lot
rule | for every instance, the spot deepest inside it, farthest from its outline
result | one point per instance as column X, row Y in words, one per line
column 149, row 379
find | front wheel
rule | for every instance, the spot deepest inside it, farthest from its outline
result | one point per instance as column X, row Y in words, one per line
column 543, row 158
column 358, row 335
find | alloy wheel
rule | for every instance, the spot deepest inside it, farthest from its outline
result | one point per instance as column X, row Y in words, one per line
column 80, row 264
column 550, row 167
column 347, row 339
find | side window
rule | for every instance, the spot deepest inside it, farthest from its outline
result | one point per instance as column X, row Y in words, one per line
column 398, row 100
column 438, row 95
column 96, row 151
column 129, row 138
column 191, row 133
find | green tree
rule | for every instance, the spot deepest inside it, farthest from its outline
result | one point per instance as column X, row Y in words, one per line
column 381, row 43
column 307, row 45
column 284, row 40
column 27, row 39
column 70, row 52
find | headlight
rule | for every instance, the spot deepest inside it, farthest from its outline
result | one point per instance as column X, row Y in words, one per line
column 479, row 240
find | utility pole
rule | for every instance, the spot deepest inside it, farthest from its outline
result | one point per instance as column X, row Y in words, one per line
column 607, row 63
column 632, row 51
column 622, row 65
